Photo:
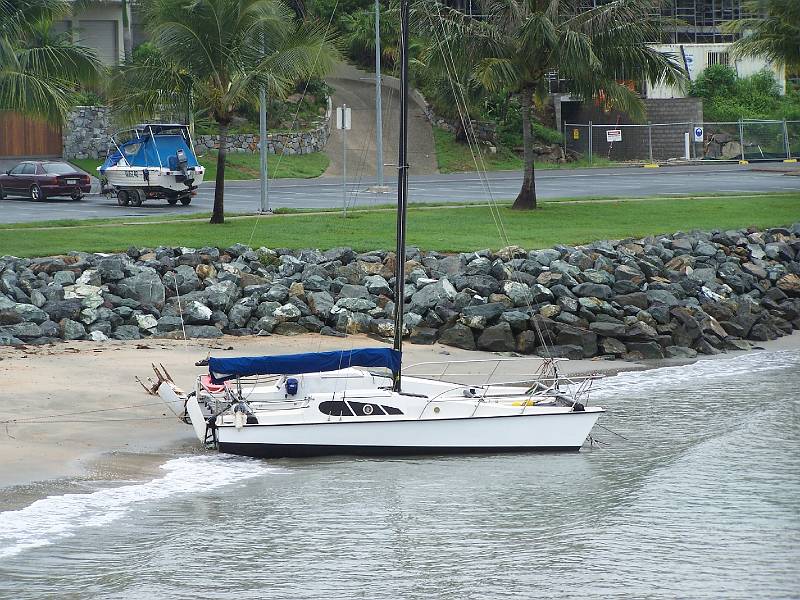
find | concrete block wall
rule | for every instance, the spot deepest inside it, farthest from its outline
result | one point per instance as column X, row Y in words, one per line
column 668, row 140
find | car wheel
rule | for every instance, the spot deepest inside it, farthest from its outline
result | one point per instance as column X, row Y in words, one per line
column 172, row 200
column 137, row 197
column 36, row 193
column 76, row 196
column 122, row 198
column 186, row 200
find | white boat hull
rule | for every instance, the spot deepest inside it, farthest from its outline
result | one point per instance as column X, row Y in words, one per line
column 157, row 178
column 512, row 433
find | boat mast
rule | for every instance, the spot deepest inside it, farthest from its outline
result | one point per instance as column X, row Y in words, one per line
column 402, row 191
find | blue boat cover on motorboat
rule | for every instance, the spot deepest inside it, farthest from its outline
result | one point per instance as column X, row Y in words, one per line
column 146, row 151
column 222, row 369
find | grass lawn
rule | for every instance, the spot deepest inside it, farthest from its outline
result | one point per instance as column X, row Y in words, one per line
column 430, row 228
column 246, row 166
column 454, row 157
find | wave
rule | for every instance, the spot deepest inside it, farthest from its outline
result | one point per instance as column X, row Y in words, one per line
column 59, row 516
column 706, row 370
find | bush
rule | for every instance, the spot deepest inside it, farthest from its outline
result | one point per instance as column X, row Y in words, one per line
column 727, row 97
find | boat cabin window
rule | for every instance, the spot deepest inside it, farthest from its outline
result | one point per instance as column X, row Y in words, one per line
column 131, row 149
column 339, row 408
column 335, row 408
column 365, row 409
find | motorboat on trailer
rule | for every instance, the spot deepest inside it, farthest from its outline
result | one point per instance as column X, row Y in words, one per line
column 155, row 160
column 327, row 403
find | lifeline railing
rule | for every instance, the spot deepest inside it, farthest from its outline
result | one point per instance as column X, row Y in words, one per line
column 448, row 363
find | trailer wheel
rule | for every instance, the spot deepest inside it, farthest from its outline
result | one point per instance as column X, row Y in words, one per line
column 172, row 200
column 137, row 197
column 122, row 198
column 186, row 200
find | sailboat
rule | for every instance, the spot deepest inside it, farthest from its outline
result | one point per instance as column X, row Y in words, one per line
column 359, row 402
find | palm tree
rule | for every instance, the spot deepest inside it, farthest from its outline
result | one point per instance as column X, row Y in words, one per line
column 40, row 72
column 214, row 55
column 774, row 32
column 513, row 44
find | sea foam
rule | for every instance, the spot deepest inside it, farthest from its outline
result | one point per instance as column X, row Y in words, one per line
column 59, row 516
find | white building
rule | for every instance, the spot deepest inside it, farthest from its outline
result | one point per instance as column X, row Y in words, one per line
column 696, row 57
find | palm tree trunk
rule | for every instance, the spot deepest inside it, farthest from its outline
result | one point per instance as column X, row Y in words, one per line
column 218, row 216
column 526, row 200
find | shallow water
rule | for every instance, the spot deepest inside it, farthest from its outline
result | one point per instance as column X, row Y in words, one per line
column 700, row 498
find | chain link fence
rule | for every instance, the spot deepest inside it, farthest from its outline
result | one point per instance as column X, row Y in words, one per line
column 751, row 140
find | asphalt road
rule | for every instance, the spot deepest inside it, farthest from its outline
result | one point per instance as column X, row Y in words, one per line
column 243, row 196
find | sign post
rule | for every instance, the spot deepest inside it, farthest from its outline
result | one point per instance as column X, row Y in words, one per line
column 343, row 124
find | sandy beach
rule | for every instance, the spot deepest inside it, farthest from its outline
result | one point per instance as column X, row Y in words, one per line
column 81, row 414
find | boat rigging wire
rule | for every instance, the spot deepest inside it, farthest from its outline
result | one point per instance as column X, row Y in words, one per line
column 480, row 165
column 297, row 112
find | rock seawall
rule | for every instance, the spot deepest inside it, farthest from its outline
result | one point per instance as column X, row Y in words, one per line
column 661, row 296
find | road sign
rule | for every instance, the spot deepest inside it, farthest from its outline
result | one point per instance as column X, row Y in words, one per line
column 614, row 135
column 576, row 134
column 343, row 123
column 698, row 134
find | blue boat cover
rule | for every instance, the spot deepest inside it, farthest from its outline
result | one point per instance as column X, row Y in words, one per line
column 222, row 369
column 145, row 152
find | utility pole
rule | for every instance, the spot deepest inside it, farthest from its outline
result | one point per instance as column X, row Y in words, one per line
column 378, row 115
column 263, row 147
column 263, row 144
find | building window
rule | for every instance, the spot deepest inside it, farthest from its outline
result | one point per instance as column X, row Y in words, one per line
column 718, row 58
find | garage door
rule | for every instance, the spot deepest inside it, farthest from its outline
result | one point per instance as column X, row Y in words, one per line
column 102, row 36
column 22, row 137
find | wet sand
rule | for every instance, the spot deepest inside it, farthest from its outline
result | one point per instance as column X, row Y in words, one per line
column 75, row 413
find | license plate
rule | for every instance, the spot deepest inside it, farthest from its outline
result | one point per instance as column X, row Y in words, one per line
column 72, row 181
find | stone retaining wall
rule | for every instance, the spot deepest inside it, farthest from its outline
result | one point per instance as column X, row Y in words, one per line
column 301, row 142
column 86, row 132
column 87, row 129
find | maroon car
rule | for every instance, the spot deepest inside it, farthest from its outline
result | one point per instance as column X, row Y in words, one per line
column 40, row 180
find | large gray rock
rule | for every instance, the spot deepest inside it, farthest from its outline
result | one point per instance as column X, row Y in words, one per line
column 202, row 331
column 662, row 297
column 184, row 278
column 23, row 331
column 350, row 290
column 433, row 294
column 126, row 332
column 497, row 338
column 196, row 313
column 29, row 312
column 72, row 330
column 459, row 336
column 593, row 290
column 169, row 323
column 574, row 336
column 64, row 309
column 606, row 329
column 240, row 313
column 680, row 352
column 355, row 304
column 144, row 287
column 222, row 295
column 320, row 303
column 648, row 350
column 377, row 285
